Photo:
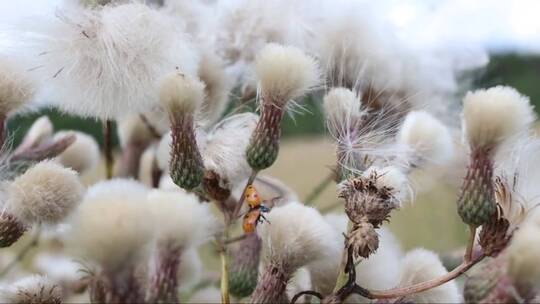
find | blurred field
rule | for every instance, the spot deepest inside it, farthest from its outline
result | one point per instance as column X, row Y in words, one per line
column 430, row 222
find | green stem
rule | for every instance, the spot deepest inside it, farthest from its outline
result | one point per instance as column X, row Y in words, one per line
column 225, row 299
column 107, row 148
column 318, row 190
column 342, row 276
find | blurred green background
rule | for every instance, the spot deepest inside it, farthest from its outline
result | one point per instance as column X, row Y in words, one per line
column 519, row 71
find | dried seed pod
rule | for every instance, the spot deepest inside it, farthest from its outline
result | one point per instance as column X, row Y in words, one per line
column 244, row 268
column 363, row 239
column 495, row 236
column 11, row 229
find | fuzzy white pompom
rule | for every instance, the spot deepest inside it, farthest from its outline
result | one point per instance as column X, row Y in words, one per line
column 524, row 251
column 341, row 104
column 82, row 155
column 426, row 138
column 45, row 193
column 148, row 166
column 40, row 131
column 285, row 73
column 421, row 265
column 180, row 92
column 58, row 267
column 493, row 115
column 225, row 149
column 16, row 88
column 190, row 270
column 113, row 225
column 107, row 62
column 33, row 289
column 297, row 236
column 180, row 218
column 217, row 87
column 301, row 281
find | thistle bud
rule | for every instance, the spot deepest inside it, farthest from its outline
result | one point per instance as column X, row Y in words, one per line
column 11, row 229
column 244, row 268
column 181, row 96
column 487, row 283
column 489, row 118
column 284, row 73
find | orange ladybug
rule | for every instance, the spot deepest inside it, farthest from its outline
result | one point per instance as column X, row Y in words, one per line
column 251, row 197
column 253, row 217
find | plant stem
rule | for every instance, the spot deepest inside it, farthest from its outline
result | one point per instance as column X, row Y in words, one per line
column 405, row 291
column 225, row 299
column 318, row 190
column 342, row 276
column 107, row 148
column 242, row 196
column 24, row 251
column 470, row 244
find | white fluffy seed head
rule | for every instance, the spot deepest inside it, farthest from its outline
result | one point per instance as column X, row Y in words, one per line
column 107, row 62
column 181, row 93
column 132, row 130
column 426, row 138
column 32, row 289
column 421, row 265
column 81, row 156
column 113, row 225
column 147, row 166
column 190, row 271
column 16, row 89
column 342, row 109
column 40, row 131
column 523, row 253
column 180, row 219
column 285, row 73
column 296, row 237
column 225, row 149
column 490, row 116
column 217, row 87
column 45, row 193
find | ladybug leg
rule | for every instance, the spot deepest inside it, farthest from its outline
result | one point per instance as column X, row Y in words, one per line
column 264, row 218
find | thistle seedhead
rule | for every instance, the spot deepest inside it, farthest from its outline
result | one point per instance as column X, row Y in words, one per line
column 82, row 155
column 244, row 269
column 488, row 283
column 421, row 265
column 284, row 73
column 181, row 95
column 11, row 229
column 16, row 89
column 494, row 115
column 372, row 196
column 425, row 139
column 35, row 289
column 45, row 193
column 363, row 240
column 476, row 203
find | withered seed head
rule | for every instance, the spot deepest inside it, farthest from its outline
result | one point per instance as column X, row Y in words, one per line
column 11, row 229
column 366, row 199
column 495, row 235
column 363, row 239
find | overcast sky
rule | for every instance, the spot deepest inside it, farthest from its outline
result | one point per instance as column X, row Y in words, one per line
column 494, row 24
